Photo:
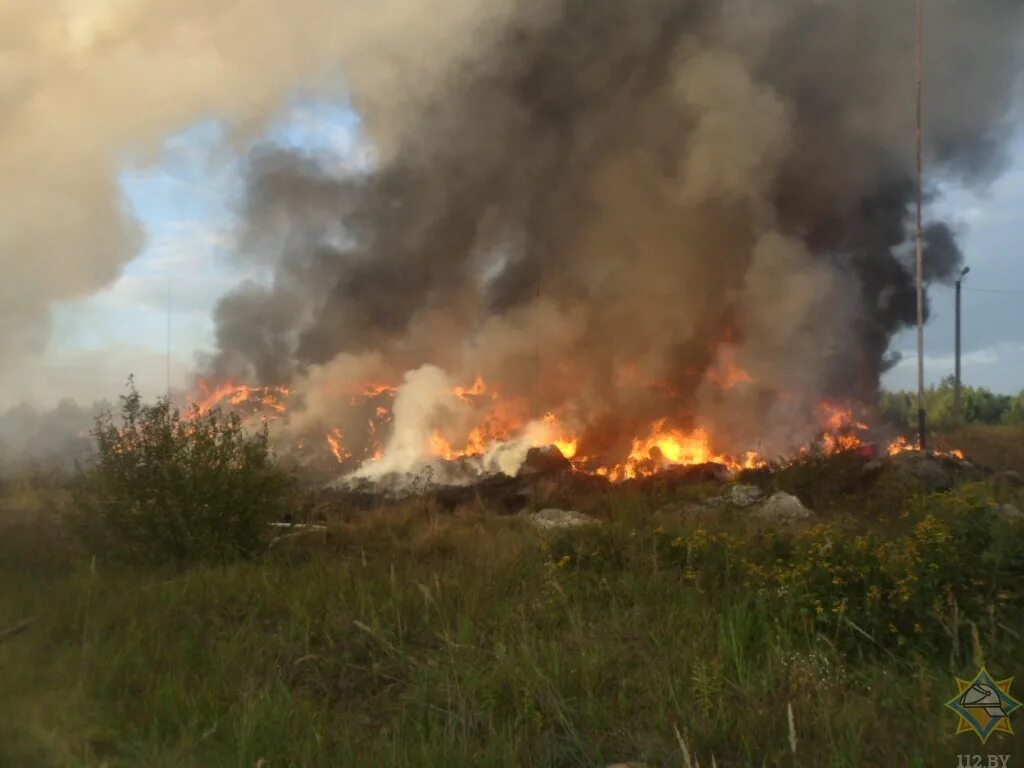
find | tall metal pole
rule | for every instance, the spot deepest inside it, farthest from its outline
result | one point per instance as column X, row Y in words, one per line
column 921, row 415
column 956, row 367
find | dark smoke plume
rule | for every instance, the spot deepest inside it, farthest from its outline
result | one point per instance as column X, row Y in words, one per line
column 606, row 201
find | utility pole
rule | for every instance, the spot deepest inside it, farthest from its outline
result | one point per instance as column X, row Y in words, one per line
column 956, row 379
column 921, row 415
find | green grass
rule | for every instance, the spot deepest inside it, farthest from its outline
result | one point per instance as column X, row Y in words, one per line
column 406, row 638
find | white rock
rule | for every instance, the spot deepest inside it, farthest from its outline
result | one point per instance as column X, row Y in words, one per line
column 561, row 518
column 1010, row 512
column 744, row 495
column 783, row 507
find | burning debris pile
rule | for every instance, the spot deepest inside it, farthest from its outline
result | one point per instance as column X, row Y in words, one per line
column 508, row 464
column 651, row 234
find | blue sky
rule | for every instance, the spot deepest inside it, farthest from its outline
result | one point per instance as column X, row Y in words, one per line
column 186, row 198
column 991, row 226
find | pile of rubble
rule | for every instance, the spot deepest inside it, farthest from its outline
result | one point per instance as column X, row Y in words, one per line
column 546, row 476
column 547, row 480
column 780, row 508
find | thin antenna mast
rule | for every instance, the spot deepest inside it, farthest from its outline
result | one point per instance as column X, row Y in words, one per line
column 168, row 338
column 921, row 414
column 536, row 341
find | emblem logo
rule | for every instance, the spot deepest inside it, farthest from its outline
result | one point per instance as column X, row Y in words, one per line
column 983, row 705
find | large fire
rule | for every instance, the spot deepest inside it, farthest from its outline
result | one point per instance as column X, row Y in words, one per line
column 501, row 420
column 666, row 447
column 266, row 399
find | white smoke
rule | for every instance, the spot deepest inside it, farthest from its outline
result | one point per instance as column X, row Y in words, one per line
column 85, row 84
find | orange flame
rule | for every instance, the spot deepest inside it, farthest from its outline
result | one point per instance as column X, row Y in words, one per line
column 479, row 388
column 839, row 418
column 356, row 395
column 334, row 440
column 666, row 447
column 726, row 373
column 267, row 397
column 843, row 429
column 567, row 448
column 376, row 390
column 559, row 435
column 502, row 418
column 902, row 445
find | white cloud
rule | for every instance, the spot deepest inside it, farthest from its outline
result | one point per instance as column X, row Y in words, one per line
column 999, row 367
column 976, row 357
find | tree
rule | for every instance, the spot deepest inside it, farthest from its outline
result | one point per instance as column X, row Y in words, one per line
column 1015, row 413
column 978, row 405
column 168, row 488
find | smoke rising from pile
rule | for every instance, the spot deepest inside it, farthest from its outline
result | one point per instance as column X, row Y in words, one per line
column 604, row 205
column 86, row 85
column 601, row 207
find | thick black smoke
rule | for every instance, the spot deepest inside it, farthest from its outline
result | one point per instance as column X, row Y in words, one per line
column 609, row 202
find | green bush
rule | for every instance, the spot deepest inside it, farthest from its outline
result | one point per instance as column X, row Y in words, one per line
column 926, row 579
column 167, row 488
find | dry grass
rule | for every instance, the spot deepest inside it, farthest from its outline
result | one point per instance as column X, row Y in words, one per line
column 32, row 532
column 420, row 530
column 999, row 448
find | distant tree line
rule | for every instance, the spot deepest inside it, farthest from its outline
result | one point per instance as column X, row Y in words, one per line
column 977, row 406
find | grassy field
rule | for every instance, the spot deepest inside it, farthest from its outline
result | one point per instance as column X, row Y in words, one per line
column 403, row 637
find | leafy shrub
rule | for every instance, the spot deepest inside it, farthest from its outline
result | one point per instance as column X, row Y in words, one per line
column 596, row 550
column 953, row 566
column 164, row 488
column 950, row 565
column 928, row 578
